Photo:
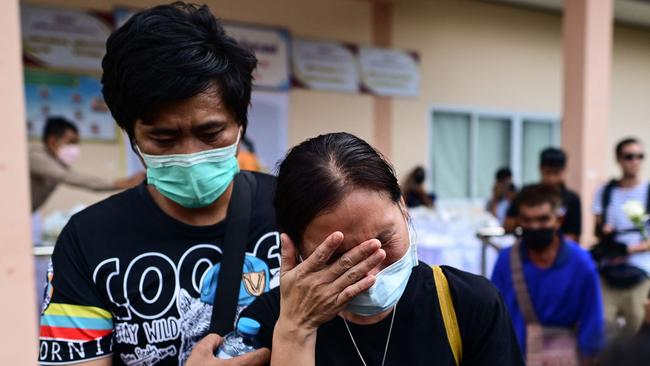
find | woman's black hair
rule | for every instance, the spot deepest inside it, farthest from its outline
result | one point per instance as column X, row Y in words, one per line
column 169, row 53
column 318, row 173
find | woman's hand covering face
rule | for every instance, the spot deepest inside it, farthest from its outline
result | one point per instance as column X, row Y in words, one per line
column 316, row 290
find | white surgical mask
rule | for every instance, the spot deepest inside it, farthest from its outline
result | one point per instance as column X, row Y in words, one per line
column 388, row 288
column 68, row 154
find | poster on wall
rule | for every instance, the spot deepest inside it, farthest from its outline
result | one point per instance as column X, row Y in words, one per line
column 64, row 39
column 324, row 65
column 268, row 120
column 271, row 47
column 389, row 72
column 76, row 97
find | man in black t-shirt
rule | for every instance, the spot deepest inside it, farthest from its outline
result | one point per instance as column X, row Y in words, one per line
column 552, row 167
column 133, row 278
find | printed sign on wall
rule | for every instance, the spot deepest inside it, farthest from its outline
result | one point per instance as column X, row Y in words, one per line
column 271, row 47
column 336, row 66
column 389, row 72
column 75, row 97
column 324, row 65
column 63, row 38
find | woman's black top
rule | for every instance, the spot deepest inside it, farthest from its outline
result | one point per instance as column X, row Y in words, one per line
column 418, row 335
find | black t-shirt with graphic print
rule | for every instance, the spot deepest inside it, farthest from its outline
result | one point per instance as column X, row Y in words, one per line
column 126, row 280
column 418, row 336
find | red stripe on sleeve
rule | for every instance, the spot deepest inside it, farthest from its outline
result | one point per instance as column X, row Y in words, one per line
column 73, row 334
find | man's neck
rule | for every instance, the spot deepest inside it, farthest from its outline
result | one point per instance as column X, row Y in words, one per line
column 204, row 216
column 629, row 181
column 546, row 257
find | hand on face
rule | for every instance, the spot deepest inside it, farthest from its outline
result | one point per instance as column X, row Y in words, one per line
column 203, row 355
column 315, row 291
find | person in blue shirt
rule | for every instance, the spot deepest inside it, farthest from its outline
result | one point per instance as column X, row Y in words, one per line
column 560, row 277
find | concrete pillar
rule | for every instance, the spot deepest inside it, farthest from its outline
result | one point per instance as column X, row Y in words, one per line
column 587, row 69
column 382, row 107
column 17, row 308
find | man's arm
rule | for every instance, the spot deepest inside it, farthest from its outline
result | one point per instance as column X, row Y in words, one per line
column 44, row 167
column 75, row 325
column 590, row 325
column 573, row 220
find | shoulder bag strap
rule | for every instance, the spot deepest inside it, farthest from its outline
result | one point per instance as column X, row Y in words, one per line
column 607, row 198
column 233, row 252
column 448, row 314
column 519, row 283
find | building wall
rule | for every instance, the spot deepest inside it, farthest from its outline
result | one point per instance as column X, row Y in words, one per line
column 630, row 113
column 492, row 56
column 473, row 54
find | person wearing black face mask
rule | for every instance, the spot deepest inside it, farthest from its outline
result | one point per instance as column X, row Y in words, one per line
column 550, row 286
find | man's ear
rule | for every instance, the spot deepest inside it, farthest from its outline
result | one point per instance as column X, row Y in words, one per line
column 51, row 143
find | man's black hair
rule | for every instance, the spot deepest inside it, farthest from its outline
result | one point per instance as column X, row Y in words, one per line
column 503, row 173
column 552, row 157
column 57, row 126
column 169, row 53
column 623, row 143
column 538, row 194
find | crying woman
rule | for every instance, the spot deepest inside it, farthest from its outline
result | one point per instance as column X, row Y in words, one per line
column 352, row 291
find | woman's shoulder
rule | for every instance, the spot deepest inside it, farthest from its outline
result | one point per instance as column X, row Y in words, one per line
column 469, row 291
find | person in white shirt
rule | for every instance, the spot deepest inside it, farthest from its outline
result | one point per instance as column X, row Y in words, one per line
column 624, row 272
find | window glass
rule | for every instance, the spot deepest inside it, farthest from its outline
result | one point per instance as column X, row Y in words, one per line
column 493, row 152
column 451, row 160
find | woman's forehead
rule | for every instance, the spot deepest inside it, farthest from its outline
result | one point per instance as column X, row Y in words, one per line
column 360, row 216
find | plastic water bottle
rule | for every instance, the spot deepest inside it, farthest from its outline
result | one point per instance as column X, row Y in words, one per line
column 241, row 340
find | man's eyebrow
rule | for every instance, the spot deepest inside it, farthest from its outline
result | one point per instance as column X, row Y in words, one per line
column 209, row 125
column 166, row 131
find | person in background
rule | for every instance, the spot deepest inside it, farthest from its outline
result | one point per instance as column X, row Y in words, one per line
column 137, row 278
column 503, row 192
column 624, row 276
column 49, row 164
column 546, row 279
column 552, row 167
column 246, row 156
column 414, row 193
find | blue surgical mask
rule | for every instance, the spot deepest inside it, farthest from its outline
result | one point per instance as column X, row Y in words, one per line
column 388, row 288
column 193, row 180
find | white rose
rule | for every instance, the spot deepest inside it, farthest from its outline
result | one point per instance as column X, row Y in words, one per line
column 634, row 210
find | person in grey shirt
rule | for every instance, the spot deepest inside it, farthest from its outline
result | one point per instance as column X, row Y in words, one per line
column 49, row 164
column 625, row 283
